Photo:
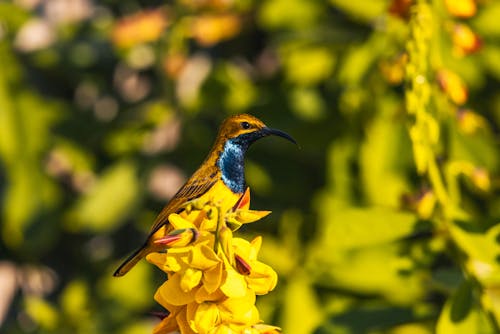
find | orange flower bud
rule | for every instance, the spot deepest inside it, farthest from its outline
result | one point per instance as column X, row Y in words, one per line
column 209, row 30
column 461, row 8
column 453, row 86
column 465, row 41
column 145, row 26
column 470, row 122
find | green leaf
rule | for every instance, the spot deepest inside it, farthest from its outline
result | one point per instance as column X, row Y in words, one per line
column 292, row 14
column 108, row 202
column 364, row 11
column 42, row 313
column 353, row 227
column 379, row 270
column 461, row 314
column 300, row 296
column 384, row 154
column 486, row 22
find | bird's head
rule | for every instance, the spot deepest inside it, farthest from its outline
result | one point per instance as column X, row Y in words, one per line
column 245, row 129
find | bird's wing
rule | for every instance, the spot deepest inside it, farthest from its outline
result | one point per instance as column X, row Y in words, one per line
column 197, row 185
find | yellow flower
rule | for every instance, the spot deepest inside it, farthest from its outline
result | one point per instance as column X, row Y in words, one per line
column 260, row 277
column 241, row 213
column 213, row 277
column 215, row 317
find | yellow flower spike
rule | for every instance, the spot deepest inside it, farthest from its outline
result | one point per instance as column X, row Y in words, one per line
column 190, row 279
column 213, row 278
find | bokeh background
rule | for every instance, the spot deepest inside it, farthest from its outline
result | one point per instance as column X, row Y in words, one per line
column 385, row 220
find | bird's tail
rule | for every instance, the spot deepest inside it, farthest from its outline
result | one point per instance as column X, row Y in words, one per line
column 131, row 261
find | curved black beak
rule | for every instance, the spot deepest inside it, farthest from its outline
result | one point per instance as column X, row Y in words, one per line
column 275, row 132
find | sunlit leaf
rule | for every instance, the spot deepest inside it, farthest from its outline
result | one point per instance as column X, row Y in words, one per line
column 461, row 314
column 363, row 11
column 42, row 312
column 108, row 201
column 300, row 289
column 353, row 227
column 296, row 14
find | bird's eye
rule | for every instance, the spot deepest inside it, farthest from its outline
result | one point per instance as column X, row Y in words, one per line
column 245, row 125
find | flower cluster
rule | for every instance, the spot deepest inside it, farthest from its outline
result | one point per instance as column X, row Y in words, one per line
column 213, row 277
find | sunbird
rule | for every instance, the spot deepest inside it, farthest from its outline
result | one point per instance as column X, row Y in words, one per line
column 221, row 177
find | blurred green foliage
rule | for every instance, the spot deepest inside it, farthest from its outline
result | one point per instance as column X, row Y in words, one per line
column 385, row 221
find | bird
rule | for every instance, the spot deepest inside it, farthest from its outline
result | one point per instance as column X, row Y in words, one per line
column 221, row 174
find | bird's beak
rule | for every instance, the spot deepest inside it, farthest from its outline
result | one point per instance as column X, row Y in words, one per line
column 275, row 132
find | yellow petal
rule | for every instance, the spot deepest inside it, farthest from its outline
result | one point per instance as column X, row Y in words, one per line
column 206, row 317
column 262, row 279
column 202, row 295
column 267, row 329
column 240, row 310
column 256, row 244
column 209, row 222
column 183, row 322
column 203, row 257
column 190, row 279
column 171, row 292
column 212, row 278
column 167, row 325
column 158, row 259
column 250, row 216
column 179, row 222
column 234, row 285
column 226, row 240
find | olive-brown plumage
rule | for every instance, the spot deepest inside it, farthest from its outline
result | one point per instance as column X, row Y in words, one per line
column 223, row 167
